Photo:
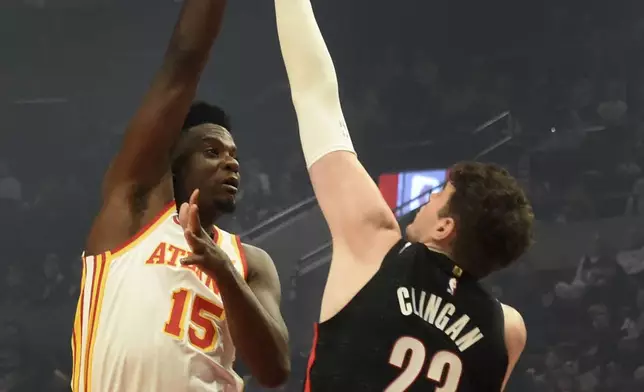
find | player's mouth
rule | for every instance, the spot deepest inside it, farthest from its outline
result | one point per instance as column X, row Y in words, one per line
column 230, row 185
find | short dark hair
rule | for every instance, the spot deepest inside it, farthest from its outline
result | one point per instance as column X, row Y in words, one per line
column 204, row 113
column 494, row 219
column 200, row 113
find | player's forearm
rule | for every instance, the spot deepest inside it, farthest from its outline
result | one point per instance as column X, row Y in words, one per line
column 193, row 36
column 262, row 341
column 313, row 81
column 308, row 63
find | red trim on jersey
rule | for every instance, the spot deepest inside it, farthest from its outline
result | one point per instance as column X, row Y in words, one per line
column 242, row 256
column 78, row 319
column 307, row 383
column 79, row 349
column 145, row 228
column 74, row 358
column 82, row 307
column 99, row 268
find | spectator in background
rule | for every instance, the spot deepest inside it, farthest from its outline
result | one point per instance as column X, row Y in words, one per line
column 10, row 186
column 256, row 182
column 76, row 271
column 639, row 314
column 11, row 203
column 638, row 380
column 14, row 293
column 635, row 205
column 596, row 273
column 53, row 288
column 10, row 358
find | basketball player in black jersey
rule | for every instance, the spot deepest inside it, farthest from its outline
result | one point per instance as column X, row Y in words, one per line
column 402, row 316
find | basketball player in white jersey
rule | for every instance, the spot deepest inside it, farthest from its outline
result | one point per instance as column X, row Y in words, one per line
column 166, row 302
column 480, row 222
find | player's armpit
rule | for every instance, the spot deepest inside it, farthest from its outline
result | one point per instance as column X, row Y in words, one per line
column 358, row 217
column 516, row 336
column 145, row 155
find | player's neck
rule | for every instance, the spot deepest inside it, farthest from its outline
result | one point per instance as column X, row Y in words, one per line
column 208, row 215
column 208, row 218
column 438, row 249
column 443, row 250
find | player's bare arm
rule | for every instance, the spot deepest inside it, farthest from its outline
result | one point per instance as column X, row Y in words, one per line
column 516, row 336
column 252, row 308
column 137, row 184
column 362, row 226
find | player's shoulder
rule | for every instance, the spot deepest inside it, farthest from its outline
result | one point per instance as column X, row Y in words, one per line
column 516, row 333
column 259, row 261
column 256, row 253
column 512, row 315
column 256, row 258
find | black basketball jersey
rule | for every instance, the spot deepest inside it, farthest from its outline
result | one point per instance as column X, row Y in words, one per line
column 420, row 324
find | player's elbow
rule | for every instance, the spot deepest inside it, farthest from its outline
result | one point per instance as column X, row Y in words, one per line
column 276, row 375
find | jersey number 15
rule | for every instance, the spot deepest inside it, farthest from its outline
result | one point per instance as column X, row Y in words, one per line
column 202, row 327
column 437, row 365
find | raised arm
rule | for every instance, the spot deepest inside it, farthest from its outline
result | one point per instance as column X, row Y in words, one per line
column 350, row 200
column 144, row 157
column 137, row 183
column 362, row 226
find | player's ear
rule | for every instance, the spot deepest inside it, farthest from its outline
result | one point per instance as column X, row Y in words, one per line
column 445, row 228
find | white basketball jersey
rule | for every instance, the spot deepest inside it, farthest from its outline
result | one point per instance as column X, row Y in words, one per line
column 146, row 323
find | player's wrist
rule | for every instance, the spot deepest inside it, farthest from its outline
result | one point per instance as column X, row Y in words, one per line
column 218, row 262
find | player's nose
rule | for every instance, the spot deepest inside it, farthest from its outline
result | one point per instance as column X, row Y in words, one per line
column 231, row 164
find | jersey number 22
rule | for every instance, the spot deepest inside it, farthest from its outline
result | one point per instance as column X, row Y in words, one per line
column 415, row 365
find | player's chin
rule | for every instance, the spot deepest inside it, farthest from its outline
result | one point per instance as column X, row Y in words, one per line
column 226, row 203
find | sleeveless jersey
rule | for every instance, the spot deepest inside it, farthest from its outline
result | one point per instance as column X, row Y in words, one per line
column 420, row 324
column 144, row 322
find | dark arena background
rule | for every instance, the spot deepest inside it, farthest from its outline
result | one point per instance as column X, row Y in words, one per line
column 552, row 90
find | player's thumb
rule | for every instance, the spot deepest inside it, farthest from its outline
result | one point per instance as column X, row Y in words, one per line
column 192, row 260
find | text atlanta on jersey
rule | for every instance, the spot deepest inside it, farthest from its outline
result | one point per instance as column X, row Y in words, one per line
column 437, row 313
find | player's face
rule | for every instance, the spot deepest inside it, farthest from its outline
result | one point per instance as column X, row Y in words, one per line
column 430, row 226
column 212, row 167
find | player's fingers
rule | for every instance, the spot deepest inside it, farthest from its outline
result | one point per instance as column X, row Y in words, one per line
column 194, row 221
column 194, row 197
column 183, row 215
column 193, row 260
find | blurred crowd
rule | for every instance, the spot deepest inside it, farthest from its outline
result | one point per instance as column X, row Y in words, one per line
column 585, row 320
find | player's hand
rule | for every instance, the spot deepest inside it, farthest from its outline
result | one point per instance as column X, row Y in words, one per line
column 205, row 252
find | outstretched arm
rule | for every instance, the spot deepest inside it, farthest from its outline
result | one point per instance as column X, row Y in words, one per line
column 362, row 226
column 137, row 183
column 351, row 202
column 144, row 157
